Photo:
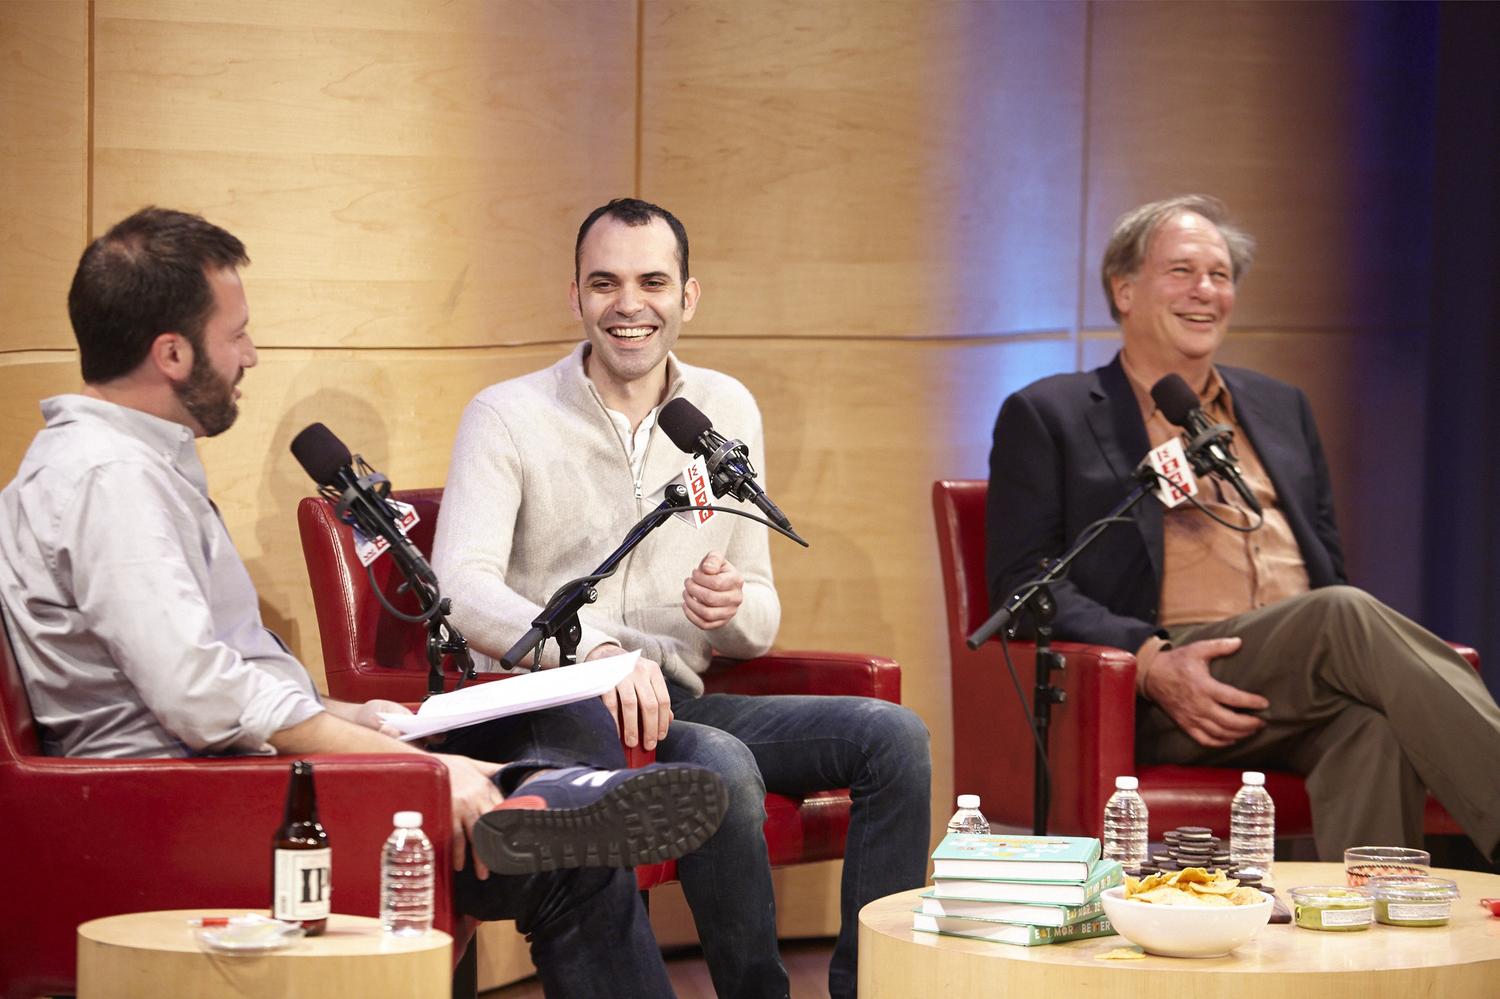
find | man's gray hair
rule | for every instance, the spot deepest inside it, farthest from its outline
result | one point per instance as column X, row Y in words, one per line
column 1132, row 234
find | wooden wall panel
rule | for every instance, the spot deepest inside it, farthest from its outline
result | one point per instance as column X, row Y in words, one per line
column 853, row 169
column 1309, row 119
column 43, row 166
column 404, row 175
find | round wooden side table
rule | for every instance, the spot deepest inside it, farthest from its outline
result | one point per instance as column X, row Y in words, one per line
column 1457, row 961
column 145, row 955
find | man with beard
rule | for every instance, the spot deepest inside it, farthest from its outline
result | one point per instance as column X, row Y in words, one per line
column 138, row 633
column 549, row 472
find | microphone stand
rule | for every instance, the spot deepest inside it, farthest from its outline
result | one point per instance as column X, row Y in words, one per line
column 559, row 619
column 1036, row 597
column 443, row 638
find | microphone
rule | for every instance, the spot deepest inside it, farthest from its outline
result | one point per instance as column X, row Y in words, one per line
column 728, row 461
column 361, row 499
column 1210, row 445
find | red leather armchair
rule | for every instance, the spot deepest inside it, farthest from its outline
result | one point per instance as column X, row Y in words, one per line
column 1093, row 731
column 86, row 838
column 368, row 653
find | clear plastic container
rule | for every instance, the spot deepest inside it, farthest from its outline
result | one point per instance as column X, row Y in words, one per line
column 248, row 934
column 1413, row 901
column 1127, row 825
column 1333, row 907
column 1361, row 863
column 969, row 820
column 406, row 877
column 1252, row 826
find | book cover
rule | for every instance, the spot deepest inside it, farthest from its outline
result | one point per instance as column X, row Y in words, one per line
column 1011, row 912
column 1015, row 858
column 1010, row 933
column 1104, row 874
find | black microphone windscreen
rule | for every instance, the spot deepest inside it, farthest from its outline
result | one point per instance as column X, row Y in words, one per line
column 1174, row 398
column 320, row 453
column 684, row 423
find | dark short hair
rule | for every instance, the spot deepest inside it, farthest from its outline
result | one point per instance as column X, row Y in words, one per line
column 1131, row 238
column 147, row 276
column 634, row 211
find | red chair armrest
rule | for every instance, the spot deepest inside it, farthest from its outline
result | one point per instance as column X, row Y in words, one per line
column 135, row 835
column 1471, row 655
column 209, row 821
column 837, row 673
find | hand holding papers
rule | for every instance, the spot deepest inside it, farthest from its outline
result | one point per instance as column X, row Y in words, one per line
column 517, row 695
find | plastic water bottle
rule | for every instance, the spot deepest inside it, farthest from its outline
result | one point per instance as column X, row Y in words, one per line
column 1127, row 824
column 969, row 819
column 1252, row 826
column 406, row 878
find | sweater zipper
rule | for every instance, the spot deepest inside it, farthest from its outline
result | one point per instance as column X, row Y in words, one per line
column 645, row 459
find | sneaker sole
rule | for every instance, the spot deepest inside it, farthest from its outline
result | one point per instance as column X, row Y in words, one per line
column 649, row 817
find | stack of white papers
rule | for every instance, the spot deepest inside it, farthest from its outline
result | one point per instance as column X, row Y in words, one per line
column 517, row 695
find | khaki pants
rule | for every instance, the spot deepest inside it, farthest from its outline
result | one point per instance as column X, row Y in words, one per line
column 1368, row 705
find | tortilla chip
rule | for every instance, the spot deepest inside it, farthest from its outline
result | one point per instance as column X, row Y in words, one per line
column 1198, row 875
column 1122, row 954
column 1193, row 886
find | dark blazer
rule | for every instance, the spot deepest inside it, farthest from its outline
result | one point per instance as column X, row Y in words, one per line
column 1063, row 454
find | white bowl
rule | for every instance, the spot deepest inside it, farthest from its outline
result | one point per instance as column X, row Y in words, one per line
column 1183, row 930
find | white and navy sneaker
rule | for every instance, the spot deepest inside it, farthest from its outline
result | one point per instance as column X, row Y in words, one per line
column 580, row 817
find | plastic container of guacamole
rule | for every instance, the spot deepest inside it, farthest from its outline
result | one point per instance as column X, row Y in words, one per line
column 1332, row 907
column 1413, row 901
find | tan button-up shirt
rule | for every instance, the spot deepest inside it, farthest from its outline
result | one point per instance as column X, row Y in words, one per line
column 1210, row 572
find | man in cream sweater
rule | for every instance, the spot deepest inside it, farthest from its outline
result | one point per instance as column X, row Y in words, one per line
column 549, row 472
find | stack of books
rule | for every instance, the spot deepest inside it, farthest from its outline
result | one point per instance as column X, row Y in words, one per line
column 1024, row 890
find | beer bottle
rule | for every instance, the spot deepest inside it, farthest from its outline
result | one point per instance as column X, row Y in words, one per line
column 301, row 862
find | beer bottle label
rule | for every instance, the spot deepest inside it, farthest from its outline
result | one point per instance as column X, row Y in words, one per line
column 304, row 884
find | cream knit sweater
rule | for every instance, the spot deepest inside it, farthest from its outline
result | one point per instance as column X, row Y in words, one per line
column 540, row 491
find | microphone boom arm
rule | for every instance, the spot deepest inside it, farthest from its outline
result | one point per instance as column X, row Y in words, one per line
column 559, row 619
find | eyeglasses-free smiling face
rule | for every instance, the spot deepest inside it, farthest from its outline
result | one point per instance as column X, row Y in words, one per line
column 1176, row 308
column 631, row 300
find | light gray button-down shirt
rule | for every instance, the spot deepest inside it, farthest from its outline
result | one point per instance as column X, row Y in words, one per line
column 132, row 617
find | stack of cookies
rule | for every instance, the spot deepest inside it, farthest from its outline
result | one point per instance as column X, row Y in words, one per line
column 1190, row 846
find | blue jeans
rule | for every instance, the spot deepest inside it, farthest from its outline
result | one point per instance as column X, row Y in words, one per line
column 797, row 745
column 589, row 933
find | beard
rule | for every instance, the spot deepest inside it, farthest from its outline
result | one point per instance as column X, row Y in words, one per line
column 208, row 397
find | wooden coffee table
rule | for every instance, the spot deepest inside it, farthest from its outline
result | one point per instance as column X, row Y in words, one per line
column 1457, row 961
column 146, row 955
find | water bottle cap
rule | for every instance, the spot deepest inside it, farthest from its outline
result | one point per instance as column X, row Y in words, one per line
column 1127, row 783
column 408, row 820
column 1254, row 778
column 968, row 801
